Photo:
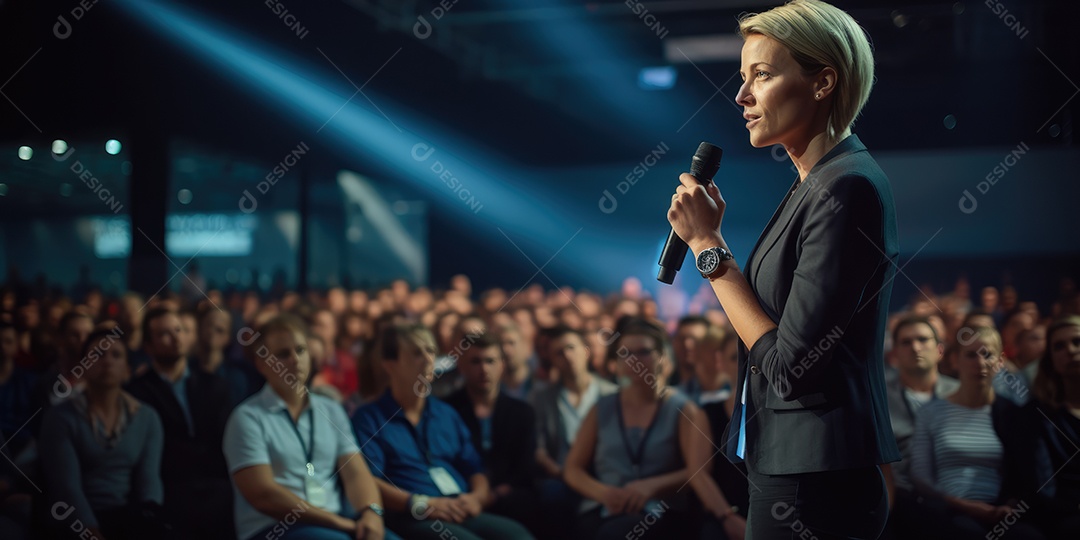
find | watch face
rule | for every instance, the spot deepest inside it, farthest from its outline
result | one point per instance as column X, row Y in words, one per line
column 707, row 261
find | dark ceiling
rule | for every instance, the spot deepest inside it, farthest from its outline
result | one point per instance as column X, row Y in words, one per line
column 545, row 83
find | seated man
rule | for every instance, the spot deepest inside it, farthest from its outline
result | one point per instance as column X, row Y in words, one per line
column 101, row 456
column 560, row 409
column 427, row 469
column 711, row 383
column 914, row 382
column 287, row 449
column 193, row 407
column 689, row 331
column 518, row 379
column 724, row 494
column 503, row 430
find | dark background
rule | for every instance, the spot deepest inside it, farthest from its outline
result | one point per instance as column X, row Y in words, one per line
column 535, row 107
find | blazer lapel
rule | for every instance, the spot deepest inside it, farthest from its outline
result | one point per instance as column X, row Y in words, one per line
column 786, row 211
column 747, row 270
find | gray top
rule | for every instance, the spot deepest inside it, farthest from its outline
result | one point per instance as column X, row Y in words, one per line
column 552, row 432
column 613, row 463
column 89, row 472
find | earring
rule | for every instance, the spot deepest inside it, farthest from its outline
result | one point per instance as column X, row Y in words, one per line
column 818, row 95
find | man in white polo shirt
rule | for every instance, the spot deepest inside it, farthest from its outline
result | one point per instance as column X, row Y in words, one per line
column 288, row 450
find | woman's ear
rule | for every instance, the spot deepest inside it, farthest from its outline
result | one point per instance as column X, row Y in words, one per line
column 824, row 83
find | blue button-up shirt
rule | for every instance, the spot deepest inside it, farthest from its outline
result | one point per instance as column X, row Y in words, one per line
column 395, row 449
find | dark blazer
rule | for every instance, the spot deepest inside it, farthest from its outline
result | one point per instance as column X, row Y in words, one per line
column 188, row 458
column 822, row 271
column 513, row 438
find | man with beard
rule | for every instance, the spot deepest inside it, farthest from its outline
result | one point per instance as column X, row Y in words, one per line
column 193, row 406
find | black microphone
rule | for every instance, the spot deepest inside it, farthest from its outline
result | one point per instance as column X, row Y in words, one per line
column 705, row 164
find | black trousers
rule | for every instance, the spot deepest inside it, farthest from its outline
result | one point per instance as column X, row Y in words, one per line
column 847, row 504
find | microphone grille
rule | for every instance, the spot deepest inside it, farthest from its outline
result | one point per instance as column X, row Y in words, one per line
column 706, row 161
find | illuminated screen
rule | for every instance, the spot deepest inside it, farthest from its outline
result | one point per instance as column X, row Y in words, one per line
column 186, row 235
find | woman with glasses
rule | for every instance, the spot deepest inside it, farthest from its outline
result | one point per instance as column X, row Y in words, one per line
column 627, row 459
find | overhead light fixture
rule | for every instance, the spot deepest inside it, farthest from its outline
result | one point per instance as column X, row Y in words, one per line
column 59, row 146
column 25, row 153
column 701, row 49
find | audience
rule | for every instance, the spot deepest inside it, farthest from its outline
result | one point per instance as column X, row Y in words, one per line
column 503, row 430
column 557, row 351
column 428, row 472
column 291, row 453
column 193, row 406
column 101, row 455
column 627, row 458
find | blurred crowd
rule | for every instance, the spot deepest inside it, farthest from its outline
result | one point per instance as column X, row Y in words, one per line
column 494, row 414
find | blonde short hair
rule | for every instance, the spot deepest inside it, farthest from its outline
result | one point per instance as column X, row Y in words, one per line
column 984, row 333
column 820, row 35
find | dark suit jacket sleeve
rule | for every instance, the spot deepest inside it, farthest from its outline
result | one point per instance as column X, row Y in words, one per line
column 521, row 464
column 840, row 250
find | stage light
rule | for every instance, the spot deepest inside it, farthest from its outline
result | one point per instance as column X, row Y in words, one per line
column 3, row 190
column 25, row 153
column 657, row 78
column 112, row 146
column 949, row 121
column 184, row 196
column 65, row 189
column 463, row 176
column 59, row 147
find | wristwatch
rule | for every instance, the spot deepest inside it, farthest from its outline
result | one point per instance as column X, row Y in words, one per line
column 708, row 262
column 730, row 511
column 418, row 506
column 374, row 507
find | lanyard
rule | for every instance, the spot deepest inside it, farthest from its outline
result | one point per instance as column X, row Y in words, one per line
column 309, row 452
column 636, row 457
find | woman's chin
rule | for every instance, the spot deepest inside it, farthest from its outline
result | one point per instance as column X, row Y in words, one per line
column 758, row 142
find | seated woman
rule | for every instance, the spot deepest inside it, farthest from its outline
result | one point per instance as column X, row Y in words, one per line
column 956, row 454
column 288, row 450
column 725, row 494
column 1042, row 469
column 627, row 460
column 101, row 454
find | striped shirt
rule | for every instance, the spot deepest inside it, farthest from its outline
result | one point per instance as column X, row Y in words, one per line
column 956, row 451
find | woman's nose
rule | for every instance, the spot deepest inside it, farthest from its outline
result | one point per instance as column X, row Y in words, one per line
column 743, row 97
